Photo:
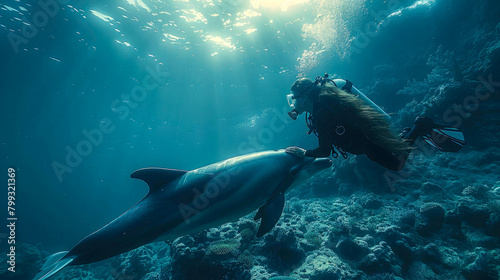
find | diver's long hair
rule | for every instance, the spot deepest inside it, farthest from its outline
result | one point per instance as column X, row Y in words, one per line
column 370, row 121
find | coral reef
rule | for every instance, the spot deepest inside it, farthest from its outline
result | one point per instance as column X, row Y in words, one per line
column 403, row 234
column 223, row 247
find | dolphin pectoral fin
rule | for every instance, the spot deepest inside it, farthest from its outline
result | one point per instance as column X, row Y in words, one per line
column 270, row 213
column 157, row 177
column 54, row 263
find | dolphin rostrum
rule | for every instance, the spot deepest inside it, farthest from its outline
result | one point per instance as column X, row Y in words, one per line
column 184, row 202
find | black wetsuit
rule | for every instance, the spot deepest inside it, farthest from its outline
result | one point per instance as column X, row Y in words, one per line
column 339, row 128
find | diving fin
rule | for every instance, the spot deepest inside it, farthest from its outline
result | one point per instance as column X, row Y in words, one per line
column 270, row 213
column 446, row 139
column 443, row 138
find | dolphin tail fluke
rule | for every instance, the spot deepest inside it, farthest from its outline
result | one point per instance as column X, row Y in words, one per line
column 53, row 264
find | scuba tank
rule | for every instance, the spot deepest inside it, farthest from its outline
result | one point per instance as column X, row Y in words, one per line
column 347, row 86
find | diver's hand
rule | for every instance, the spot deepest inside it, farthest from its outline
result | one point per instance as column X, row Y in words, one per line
column 296, row 151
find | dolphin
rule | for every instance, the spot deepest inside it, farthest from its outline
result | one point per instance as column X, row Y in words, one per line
column 183, row 202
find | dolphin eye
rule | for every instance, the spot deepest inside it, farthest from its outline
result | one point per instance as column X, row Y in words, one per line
column 296, row 169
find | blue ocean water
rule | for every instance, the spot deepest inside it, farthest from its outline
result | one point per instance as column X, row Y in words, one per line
column 94, row 90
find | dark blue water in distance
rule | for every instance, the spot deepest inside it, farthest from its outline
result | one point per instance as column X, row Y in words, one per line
column 94, row 90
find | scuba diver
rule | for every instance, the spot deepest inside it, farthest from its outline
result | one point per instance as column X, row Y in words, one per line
column 345, row 120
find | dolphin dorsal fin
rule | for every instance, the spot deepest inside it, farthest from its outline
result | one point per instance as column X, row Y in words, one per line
column 156, row 178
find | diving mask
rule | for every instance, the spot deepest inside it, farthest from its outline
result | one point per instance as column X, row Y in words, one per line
column 291, row 100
